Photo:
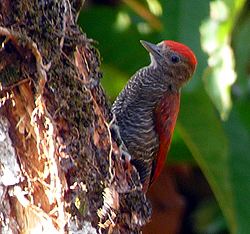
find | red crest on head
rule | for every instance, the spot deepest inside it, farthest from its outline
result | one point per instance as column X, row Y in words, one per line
column 182, row 49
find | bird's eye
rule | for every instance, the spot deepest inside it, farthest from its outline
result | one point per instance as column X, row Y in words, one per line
column 175, row 59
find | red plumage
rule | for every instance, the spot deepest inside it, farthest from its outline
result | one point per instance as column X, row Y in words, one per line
column 182, row 49
column 166, row 115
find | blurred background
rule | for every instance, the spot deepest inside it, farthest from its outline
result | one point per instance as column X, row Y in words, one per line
column 205, row 185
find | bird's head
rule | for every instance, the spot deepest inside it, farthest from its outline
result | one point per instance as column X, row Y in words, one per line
column 176, row 60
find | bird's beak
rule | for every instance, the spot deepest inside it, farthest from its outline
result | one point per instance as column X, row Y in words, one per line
column 153, row 49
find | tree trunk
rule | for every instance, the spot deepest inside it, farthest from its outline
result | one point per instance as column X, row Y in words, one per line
column 61, row 167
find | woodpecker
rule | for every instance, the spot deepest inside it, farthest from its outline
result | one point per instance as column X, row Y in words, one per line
column 147, row 108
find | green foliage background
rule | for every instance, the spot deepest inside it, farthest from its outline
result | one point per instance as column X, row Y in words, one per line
column 213, row 128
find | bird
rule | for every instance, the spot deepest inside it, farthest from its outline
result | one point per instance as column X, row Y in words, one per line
column 147, row 108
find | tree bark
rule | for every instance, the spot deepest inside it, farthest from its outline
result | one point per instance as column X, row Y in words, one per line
column 61, row 164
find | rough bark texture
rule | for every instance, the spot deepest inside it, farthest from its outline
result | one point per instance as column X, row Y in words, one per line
column 60, row 169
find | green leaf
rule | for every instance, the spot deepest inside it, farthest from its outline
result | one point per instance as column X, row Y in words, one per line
column 218, row 79
column 241, row 46
column 239, row 165
column 215, row 35
column 203, row 133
